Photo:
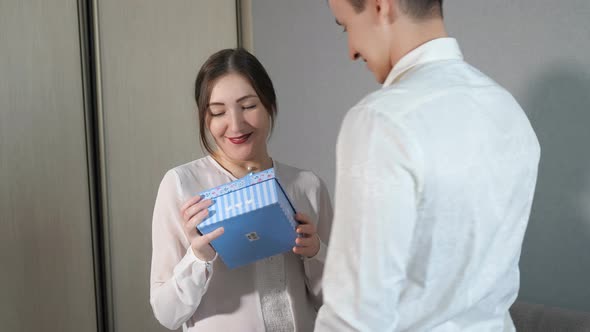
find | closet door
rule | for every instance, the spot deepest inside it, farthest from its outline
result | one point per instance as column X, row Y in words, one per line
column 150, row 52
column 46, row 262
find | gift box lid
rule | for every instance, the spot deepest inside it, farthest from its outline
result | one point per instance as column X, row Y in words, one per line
column 246, row 181
column 252, row 192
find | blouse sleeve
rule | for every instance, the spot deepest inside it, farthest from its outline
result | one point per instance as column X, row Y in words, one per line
column 314, row 266
column 178, row 278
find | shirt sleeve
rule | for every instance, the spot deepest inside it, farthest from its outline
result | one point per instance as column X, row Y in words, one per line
column 314, row 266
column 178, row 278
column 376, row 197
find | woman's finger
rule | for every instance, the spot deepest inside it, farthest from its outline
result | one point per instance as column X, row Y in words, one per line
column 302, row 218
column 197, row 218
column 307, row 229
column 305, row 241
column 197, row 208
column 190, row 202
column 207, row 238
column 303, row 251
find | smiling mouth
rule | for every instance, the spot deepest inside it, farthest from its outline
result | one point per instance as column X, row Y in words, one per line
column 239, row 139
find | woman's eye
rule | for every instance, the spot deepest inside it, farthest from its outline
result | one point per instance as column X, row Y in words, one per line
column 249, row 107
column 217, row 114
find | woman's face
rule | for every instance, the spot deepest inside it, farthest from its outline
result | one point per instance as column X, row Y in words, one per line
column 237, row 120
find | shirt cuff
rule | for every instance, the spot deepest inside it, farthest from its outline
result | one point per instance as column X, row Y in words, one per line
column 320, row 256
column 194, row 258
column 191, row 265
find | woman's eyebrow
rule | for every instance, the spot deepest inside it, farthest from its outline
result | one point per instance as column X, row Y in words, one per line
column 239, row 100
column 246, row 97
column 216, row 104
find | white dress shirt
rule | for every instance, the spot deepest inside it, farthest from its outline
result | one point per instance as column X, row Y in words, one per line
column 435, row 179
column 281, row 293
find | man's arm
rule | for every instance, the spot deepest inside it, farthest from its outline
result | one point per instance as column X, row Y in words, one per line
column 377, row 186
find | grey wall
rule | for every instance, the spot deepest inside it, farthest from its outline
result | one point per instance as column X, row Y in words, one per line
column 306, row 55
column 538, row 49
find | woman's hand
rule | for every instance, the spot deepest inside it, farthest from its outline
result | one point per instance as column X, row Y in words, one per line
column 193, row 212
column 309, row 244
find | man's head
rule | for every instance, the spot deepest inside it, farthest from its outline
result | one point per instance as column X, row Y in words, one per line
column 419, row 9
column 382, row 31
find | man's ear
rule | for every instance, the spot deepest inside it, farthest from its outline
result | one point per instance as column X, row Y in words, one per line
column 387, row 9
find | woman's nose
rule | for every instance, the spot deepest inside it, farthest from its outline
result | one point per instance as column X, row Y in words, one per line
column 236, row 120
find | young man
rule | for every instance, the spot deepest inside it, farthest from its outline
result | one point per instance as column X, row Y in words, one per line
column 435, row 179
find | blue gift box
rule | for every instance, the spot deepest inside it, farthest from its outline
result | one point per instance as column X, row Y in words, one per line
column 257, row 216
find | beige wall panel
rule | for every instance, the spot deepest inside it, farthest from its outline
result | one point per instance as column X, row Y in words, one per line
column 150, row 54
column 46, row 271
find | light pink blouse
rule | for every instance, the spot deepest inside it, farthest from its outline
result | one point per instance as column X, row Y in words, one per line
column 281, row 293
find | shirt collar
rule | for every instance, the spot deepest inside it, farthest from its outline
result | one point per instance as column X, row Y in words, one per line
column 434, row 50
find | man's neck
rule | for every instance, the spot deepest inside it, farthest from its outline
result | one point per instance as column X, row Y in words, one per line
column 411, row 34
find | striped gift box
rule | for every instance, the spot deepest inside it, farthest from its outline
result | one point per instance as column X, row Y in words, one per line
column 257, row 216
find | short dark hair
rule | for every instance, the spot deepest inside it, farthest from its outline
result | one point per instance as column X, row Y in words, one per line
column 419, row 9
column 227, row 61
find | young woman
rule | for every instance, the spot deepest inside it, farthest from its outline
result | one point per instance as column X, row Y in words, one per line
column 190, row 286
